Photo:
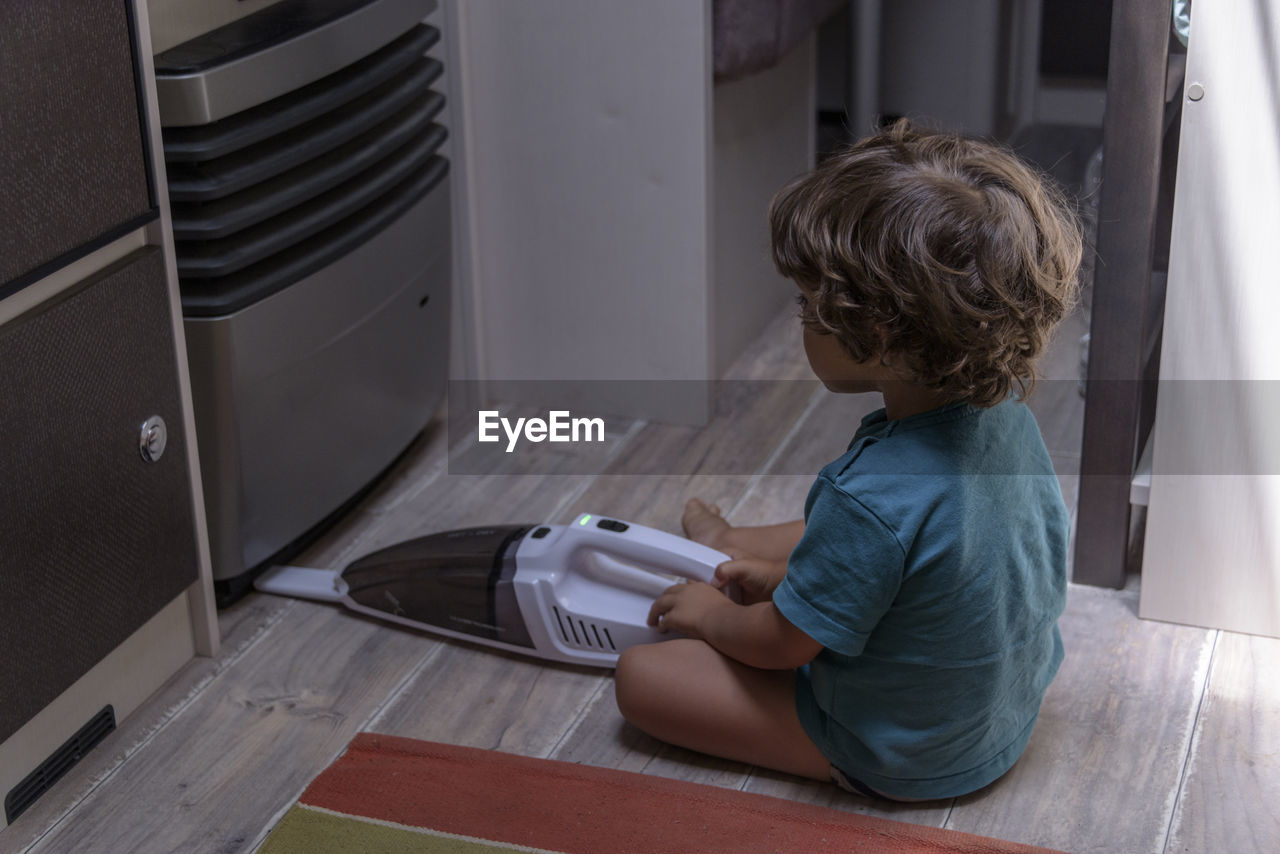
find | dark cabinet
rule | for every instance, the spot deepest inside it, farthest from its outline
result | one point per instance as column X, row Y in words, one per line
column 104, row 580
column 97, row 536
column 75, row 168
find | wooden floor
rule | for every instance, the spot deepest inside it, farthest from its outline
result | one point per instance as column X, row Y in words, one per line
column 1153, row 738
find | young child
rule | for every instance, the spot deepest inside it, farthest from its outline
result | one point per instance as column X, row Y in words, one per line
column 901, row 638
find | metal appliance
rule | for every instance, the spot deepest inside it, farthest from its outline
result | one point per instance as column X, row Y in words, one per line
column 311, row 217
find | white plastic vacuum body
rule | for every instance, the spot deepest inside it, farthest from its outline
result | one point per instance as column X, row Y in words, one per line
column 577, row 593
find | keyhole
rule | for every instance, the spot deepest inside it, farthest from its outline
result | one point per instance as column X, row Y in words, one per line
column 153, row 438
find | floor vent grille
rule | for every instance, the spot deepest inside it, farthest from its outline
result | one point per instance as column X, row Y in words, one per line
column 59, row 762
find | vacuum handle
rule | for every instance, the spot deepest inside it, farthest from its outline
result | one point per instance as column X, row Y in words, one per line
column 650, row 548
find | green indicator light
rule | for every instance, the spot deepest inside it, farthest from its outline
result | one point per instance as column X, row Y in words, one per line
column 585, row 519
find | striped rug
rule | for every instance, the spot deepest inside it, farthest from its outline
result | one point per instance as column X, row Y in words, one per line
column 393, row 795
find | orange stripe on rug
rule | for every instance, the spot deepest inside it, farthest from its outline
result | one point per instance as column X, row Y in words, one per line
column 500, row 798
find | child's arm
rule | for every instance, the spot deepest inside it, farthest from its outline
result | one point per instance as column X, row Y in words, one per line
column 755, row 577
column 756, row 635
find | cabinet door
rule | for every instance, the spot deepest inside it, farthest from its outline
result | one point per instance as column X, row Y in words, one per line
column 94, row 538
column 71, row 139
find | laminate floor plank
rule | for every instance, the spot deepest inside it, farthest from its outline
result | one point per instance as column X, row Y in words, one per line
column 221, row 770
column 829, row 424
column 482, row 697
column 212, row 760
column 763, row 782
column 463, row 501
column 1228, row 800
column 655, row 501
column 750, row 419
column 823, row 433
column 241, row 626
column 470, row 694
column 601, row 737
column 1058, row 405
column 584, row 449
column 529, row 706
column 1059, row 410
column 772, row 499
column 778, row 495
column 604, row 739
column 1105, row 759
column 776, row 354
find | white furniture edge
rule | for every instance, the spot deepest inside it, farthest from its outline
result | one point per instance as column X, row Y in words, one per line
column 204, row 620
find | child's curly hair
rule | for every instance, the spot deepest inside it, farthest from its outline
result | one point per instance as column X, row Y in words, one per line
column 947, row 254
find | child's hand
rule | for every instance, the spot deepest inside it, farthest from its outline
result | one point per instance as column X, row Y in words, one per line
column 757, row 578
column 683, row 607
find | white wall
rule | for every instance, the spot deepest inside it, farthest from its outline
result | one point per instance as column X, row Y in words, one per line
column 587, row 171
column 1212, row 553
column 613, row 201
column 764, row 136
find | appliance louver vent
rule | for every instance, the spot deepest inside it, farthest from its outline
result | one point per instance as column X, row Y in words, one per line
column 263, row 198
column 60, row 762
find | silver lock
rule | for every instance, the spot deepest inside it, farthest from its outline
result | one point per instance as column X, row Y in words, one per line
column 152, row 439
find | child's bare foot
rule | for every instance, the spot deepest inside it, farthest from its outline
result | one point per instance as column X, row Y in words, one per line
column 703, row 523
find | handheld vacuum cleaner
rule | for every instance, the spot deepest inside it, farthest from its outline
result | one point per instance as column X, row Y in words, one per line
column 577, row 593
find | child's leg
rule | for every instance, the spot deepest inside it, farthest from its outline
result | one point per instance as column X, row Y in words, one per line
column 686, row 693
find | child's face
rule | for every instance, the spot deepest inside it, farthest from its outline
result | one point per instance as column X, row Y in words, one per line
column 832, row 364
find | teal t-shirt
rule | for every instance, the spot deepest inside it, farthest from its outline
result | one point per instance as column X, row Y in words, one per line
column 933, row 571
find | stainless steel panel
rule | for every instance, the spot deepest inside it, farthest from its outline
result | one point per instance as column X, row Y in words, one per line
column 303, row 397
column 208, row 95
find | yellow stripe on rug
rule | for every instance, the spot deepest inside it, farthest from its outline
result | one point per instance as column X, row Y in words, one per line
column 316, row 830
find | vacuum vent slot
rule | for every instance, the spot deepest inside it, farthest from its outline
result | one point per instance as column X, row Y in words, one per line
column 584, row 635
column 560, row 622
column 59, row 762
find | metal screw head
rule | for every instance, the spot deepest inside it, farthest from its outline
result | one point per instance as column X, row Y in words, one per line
column 1195, row 91
column 152, row 438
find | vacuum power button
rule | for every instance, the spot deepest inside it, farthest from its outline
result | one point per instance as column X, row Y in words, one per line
column 612, row 525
